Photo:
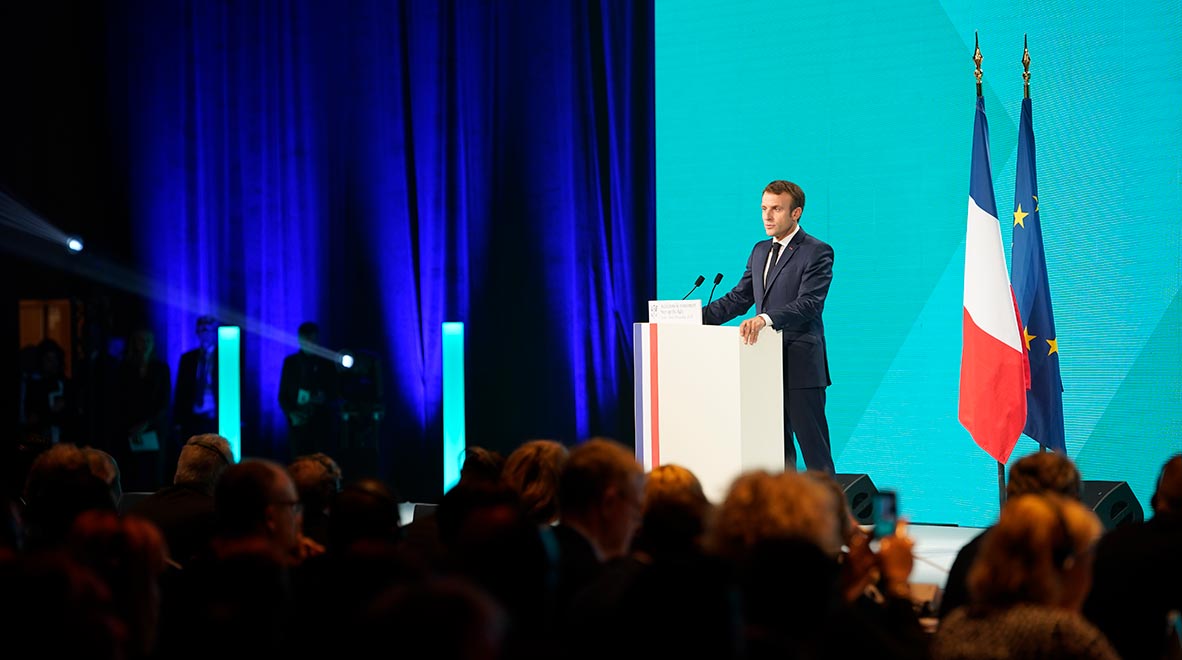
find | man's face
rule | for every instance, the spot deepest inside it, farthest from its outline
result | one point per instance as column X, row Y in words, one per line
column 207, row 334
column 285, row 518
column 778, row 220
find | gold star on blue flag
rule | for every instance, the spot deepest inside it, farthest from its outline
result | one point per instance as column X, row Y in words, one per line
column 1032, row 290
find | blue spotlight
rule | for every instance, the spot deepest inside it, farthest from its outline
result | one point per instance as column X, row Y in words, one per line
column 74, row 244
column 346, row 360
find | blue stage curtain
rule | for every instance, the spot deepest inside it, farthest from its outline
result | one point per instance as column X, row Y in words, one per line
column 381, row 167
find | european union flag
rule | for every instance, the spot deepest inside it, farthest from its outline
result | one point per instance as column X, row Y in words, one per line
column 1044, row 400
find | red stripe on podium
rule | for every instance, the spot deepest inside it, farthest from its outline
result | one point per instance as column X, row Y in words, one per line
column 654, row 414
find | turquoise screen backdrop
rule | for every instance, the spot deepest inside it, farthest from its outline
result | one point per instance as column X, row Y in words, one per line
column 869, row 107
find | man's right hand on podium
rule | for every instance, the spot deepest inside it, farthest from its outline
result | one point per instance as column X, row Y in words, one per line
column 749, row 329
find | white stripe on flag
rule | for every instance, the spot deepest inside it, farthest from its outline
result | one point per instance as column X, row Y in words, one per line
column 987, row 296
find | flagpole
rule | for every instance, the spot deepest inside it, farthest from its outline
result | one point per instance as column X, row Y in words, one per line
column 977, row 60
column 1025, row 69
column 1001, row 467
column 1026, row 94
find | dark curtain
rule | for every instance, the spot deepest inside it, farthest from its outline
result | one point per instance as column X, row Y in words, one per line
column 382, row 167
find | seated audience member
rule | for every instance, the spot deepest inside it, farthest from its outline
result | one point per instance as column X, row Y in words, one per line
column 184, row 512
column 482, row 464
column 764, row 521
column 318, row 479
column 600, row 493
column 129, row 554
column 1138, row 574
column 365, row 511
column 1027, row 586
column 439, row 619
column 1042, row 472
column 257, row 504
column 532, row 471
column 761, row 505
column 422, row 534
column 364, row 558
column 867, row 577
column 52, row 607
column 675, row 513
column 488, row 538
column 234, row 597
column 60, row 486
column 666, row 598
column 103, row 466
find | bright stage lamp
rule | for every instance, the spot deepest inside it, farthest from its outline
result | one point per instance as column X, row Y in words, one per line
column 346, row 360
column 74, row 244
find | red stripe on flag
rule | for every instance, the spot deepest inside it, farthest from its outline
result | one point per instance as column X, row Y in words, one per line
column 992, row 391
column 654, row 411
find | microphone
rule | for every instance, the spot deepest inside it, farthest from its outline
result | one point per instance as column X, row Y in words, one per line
column 697, row 284
column 717, row 279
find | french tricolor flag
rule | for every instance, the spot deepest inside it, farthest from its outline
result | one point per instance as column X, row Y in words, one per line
column 994, row 371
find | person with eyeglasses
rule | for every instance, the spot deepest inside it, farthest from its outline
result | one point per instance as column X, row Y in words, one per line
column 236, row 593
column 257, row 502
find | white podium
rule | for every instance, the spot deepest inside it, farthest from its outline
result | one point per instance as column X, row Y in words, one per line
column 707, row 402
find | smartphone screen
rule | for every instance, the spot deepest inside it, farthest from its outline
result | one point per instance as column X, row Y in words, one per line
column 886, row 513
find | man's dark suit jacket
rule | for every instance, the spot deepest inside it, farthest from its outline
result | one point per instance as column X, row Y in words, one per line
column 186, row 390
column 1136, row 582
column 794, row 299
column 185, row 515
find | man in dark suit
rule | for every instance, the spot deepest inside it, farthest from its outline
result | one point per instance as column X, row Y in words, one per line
column 1137, row 578
column 195, row 409
column 787, row 279
column 307, row 387
column 184, row 511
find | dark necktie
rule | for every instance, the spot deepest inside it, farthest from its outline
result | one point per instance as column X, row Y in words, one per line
column 767, row 276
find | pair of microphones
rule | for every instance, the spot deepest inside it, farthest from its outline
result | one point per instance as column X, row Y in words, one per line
column 698, row 283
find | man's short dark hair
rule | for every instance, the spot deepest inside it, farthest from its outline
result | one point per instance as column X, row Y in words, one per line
column 206, row 320
column 779, row 187
column 242, row 496
column 308, row 330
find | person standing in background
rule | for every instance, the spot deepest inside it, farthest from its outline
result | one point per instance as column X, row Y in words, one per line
column 307, row 387
column 144, row 391
column 195, row 408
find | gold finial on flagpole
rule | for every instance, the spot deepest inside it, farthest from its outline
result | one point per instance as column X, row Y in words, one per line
column 977, row 59
column 1025, row 69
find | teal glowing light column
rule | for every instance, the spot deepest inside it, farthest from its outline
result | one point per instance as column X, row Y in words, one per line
column 454, row 440
column 230, row 388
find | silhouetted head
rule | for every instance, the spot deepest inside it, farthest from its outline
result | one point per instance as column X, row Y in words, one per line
column 1044, row 472
column 1167, row 498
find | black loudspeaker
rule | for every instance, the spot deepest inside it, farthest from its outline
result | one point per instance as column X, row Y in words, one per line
column 1113, row 501
column 859, row 490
